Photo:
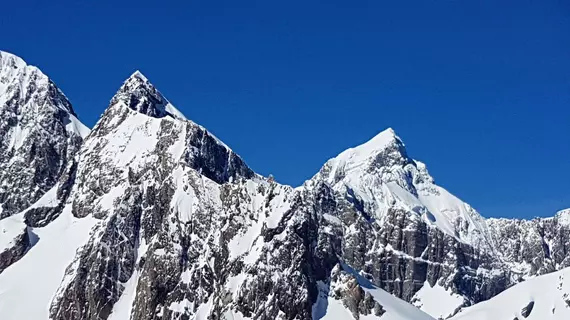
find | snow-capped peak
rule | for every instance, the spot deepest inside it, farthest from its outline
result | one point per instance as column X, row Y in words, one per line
column 137, row 74
column 379, row 174
column 17, row 76
column 39, row 133
column 10, row 61
column 140, row 95
column 372, row 147
column 384, row 149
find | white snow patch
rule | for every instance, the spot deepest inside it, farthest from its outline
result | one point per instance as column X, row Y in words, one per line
column 48, row 199
column 184, row 306
column 56, row 248
column 437, row 301
column 10, row 228
column 123, row 308
column 77, row 127
column 563, row 217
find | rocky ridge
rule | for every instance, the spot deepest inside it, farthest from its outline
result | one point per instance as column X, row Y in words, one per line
column 39, row 136
column 181, row 228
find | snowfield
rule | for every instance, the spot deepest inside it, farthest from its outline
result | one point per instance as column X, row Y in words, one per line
column 27, row 288
column 545, row 297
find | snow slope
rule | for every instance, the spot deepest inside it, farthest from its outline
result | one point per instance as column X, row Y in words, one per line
column 26, row 288
column 545, row 297
column 437, row 301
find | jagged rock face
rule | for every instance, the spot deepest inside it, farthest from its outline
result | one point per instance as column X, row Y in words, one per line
column 346, row 288
column 177, row 226
column 39, row 134
column 534, row 247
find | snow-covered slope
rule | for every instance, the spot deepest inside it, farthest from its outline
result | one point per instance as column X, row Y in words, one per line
column 26, row 288
column 347, row 285
column 546, row 297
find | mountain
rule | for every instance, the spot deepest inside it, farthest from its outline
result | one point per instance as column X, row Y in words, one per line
column 180, row 227
column 39, row 135
column 153, row 217
column 424, row 245
column 409, row 235
column 546, row 297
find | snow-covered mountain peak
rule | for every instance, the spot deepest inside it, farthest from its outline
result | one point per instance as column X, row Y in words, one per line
column 9, row 61
column 385, row 149
column 140, row 125
column 139, row 94
column 18, row 79
column 39, row 133
column 370, row 149
column 381, row 179
column 138, row 75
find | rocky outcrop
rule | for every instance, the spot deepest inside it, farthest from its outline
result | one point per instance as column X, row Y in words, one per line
column 14, row 243
column 346, row 288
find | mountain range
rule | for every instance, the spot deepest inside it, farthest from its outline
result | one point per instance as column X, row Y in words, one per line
column 148, row 215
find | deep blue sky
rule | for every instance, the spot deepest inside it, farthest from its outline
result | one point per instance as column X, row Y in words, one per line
column 479, row 90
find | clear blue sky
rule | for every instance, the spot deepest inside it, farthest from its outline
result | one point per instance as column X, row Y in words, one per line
column 479, row 90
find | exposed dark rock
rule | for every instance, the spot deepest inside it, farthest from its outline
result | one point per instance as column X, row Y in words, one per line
column 20, row 244
column 525, row 312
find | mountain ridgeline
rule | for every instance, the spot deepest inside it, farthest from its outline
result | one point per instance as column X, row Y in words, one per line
column 149, row 216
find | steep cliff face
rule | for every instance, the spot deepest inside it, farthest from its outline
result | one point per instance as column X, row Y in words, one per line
column 534, row 247
column 39, row 135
